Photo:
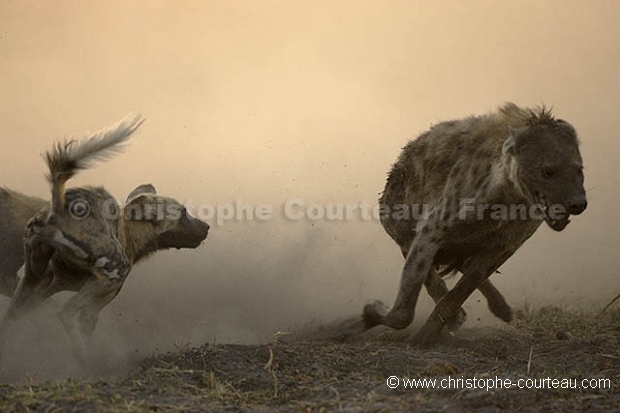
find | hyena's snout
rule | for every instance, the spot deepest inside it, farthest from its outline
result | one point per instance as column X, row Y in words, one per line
column 577, row 205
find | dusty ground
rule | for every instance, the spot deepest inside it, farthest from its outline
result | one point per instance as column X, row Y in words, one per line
column 291, row 374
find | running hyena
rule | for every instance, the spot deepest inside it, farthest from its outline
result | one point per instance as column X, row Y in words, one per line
column 464, row 197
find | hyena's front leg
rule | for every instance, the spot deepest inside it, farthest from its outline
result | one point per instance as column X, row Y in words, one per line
column 437, row 288
column 447, row 306
column 496, row 301
column 417, row 265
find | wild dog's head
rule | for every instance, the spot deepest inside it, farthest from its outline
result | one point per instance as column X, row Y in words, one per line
column 548, row 167
column 160, row 222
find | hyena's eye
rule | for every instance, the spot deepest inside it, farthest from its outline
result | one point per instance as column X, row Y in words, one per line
column 547, row 171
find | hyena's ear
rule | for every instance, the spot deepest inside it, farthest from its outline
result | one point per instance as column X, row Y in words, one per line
column 511, row 140
column 139, row 191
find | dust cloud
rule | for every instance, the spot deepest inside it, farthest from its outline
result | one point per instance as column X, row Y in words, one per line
column 264, row 102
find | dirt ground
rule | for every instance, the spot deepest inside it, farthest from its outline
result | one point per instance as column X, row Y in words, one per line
column 313, row 374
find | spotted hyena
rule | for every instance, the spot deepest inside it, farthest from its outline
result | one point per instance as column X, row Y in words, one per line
column 464, row 196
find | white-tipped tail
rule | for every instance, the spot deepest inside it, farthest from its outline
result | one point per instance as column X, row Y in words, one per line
column 67, row 158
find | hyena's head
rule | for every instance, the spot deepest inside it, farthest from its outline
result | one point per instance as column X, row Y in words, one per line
column 169, row 223
column 84, row 232
column 549, row 169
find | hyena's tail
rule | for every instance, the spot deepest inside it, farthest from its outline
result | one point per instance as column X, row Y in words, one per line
column 69, row 157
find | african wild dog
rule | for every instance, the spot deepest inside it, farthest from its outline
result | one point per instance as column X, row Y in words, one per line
column 518, row 158
column 15, row 211
column 83, row 241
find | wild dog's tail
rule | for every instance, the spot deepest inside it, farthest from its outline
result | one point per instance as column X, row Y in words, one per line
column 68, row 157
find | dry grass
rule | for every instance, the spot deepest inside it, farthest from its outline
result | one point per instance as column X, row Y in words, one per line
column 324, row 375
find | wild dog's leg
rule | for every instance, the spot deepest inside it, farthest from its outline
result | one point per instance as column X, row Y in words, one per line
column 8, row 283
column 79, row 314
column 89, row 314
column 31, row 290
column 69, row 311
column 447, row 306
column 436, row 288
column 496, row 301
column 417, row 265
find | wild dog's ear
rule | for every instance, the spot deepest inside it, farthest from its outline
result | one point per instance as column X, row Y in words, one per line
column 139, row 191
column 144, row 206
column 511, row 140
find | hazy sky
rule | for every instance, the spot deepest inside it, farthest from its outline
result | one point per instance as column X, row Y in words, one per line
column 266, row 101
